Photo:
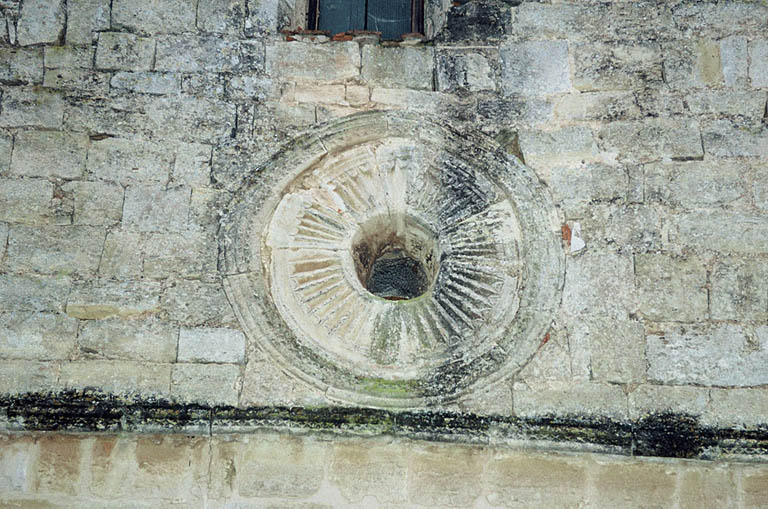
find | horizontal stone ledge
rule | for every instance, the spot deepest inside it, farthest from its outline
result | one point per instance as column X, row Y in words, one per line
column 659, row 435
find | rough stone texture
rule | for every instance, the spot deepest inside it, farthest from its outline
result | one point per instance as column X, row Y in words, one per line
column 671, row 289
column 154, row 208
column 205, row 383
column 128, row 160
column 103, row 299
column 22, row 65
column 398, row 67
column 472, row 71
column 137, row 339
column 146, row 82
column 49, row 154
column 599, row 284
column 725, row 355
column 652, row 140
column 211, row 345
column 723, row 230
column 153, row 16
column 119, row 377
column 36, row 336
column 26, row 201
column 566, row 398
column 535, row 68
column 294, row 60
column 740, row 290
column 24, row 107
column 40, row 21
column 616, row 67
column 33, row 293
column 758, row 57
column 85, row 18
column 55, row 250
column 121, row 51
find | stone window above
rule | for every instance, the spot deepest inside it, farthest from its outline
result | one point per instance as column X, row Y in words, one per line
column 393, row 18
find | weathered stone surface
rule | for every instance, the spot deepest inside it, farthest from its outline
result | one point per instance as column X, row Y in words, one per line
column 55, row 250
column 207, row 53
column 154, row 16
column 137, row 339
column 20, row 376
column 748, row 104
column 737, row 407
column 535, row 68
column 296, row 60
column 194, row 303
column 97, row 300
column 647, row 399
column 758, row 58
column 129, row 160
column 672, row 289
column 760, row 186
column 599, row 284
column 720, row 19
column 211, row 345
column 122, row 51
column 614, row 66
column 40, row 21
column 146, row 82
column 31, row 107
column 85, row 18
column 193, row 164
column 755, row 486
column 473, row 71
column 15, row 456
column 482, row 21
column 693, row 64
column 314, row 93
column 36, row 336
column 22, row 65
column 576, row 188
column 122, row 257
column 69, row 57
column 151, row 208
column 569, row 398
column 652, row 139
column 722, row 230
column 187, row 255
column 617, row 349
column 26, row 201
column 96, row 203
column 605, row 106
column 633, row 228
column 734, row 60
column 358, row 471
column 222, row 16
column 49, row 154
column 695, row 184
column 264, row 383
column 632, row 482
column 206, row 383
column 6, row 146
column 408, row 67
column 262, row 18
column 118, row 377
column 540, row 480
column 33, row 293
column 444, row 477
column 77, row 80
column 726, row 138
column 542, row 149
column 740, row 289
column 724, row 355
column 516, row 110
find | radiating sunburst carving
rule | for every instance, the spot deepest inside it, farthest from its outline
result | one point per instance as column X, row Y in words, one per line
column 390, row 264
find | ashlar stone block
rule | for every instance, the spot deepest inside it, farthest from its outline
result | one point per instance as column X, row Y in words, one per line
column 646, row 399
column 191, row 254
column 139, row 339
column 599, row 284
column 316, row 62
column 26, row 201
column 694, row 184
column 146, row 82
column 55, row 250
column 49, row 154
column 33, row 293
column 36, row 335
column 99, row 299
column 471, row 71
column 617, row 350
column 737, row 407
column 83, row 81
column 721, row 355
column 195, row 303
column 21, row 376
column 96, row 203
column 616, row 66
column 578, row 187
column 85, row 18
column 750, row 104
column 694, row 64
column 122, row 257
column 151, row 208
column 221, row 16
column 31, row 107
column 127, row 160
column 444, row 477
column 264, row 383
column 40, row 22
column 723, row 230
column 178, row 53
column 206, row 383
column 154, row 16
column 740, row 289
column 211, row 345
column 671, row 289
column 734, row 138
column 569, row 398
column 652, row 139
column 734, row 60
column 406, row 67
column 603, row 106
column 542, row 149
column 6, row 145
column 535, row 68
column 24, row 65
column 124, row 52
column 118, row 377
column 758, row 58
column 626, row 485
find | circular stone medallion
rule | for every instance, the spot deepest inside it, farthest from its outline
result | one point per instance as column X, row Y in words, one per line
column 393, row 262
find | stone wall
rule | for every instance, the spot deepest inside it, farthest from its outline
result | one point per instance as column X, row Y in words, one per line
column 127, row 128
column 267, row 470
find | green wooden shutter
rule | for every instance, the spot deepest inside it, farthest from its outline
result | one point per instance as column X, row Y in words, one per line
column 390, row 17
column 341, row 15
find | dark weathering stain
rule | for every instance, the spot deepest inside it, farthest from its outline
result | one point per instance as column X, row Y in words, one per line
column 664, row 435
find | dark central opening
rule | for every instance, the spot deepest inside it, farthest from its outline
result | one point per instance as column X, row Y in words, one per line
column 395, row 257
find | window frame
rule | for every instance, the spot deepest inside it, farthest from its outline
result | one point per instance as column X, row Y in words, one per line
column 417, row 16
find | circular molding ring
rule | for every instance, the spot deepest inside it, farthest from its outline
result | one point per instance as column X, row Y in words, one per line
column 300, row 239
